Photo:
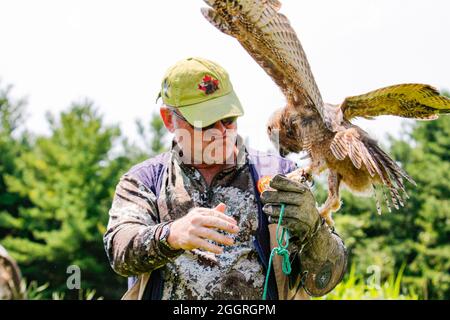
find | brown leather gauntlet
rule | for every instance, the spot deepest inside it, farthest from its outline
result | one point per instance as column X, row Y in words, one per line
column 323, row 262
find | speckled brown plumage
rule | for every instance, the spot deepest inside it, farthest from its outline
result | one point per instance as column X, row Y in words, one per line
column 324, row 131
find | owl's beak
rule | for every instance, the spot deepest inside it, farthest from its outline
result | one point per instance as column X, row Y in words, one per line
column 283, row 152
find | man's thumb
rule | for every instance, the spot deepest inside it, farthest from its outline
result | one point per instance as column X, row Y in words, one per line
column 221, row 207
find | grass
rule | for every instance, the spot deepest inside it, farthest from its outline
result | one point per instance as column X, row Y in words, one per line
column 353, row 287
column 34, row 291
column 356, row 287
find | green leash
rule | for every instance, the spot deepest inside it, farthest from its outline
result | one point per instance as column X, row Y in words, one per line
column 281, row 250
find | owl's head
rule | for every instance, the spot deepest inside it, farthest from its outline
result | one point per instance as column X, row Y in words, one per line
column 283, row 131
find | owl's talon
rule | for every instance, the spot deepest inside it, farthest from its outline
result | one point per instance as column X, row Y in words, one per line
column 305, row 176
column 301, row 176
column 326, row 215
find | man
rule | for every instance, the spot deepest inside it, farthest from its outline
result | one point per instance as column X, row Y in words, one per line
column 190, row 223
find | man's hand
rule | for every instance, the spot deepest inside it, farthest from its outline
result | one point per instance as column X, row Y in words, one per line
column 301, row 216
column 323, row 256
column 194, row 229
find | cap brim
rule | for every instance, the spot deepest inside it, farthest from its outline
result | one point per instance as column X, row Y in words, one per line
column 206, row 113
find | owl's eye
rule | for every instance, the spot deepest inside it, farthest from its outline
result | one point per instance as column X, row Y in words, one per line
column 289, row 131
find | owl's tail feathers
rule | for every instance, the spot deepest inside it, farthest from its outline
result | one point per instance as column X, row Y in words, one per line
column 364, row 151
column 392, row 177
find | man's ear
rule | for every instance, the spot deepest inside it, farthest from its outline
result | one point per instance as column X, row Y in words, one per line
column 167, row 118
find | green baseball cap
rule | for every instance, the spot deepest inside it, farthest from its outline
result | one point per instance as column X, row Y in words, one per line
column 201, row 91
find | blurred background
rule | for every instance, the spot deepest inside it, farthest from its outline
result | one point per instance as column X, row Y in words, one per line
column 78, row 84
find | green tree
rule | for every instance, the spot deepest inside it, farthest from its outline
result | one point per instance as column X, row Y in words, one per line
column 152, row 137
column 69, row 178
column 14, row 140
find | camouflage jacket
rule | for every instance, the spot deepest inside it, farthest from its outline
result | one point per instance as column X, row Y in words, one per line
column 147, row 199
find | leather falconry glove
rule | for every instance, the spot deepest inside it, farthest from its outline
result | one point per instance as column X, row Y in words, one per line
column 301, row 216
column 320, row 252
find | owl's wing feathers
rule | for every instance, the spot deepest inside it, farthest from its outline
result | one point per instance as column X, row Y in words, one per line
column 364, row 151
column 353, row 142
column 268, row 37
column 417, row 101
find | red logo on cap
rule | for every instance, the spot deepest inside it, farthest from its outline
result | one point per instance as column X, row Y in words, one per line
column 209, row 85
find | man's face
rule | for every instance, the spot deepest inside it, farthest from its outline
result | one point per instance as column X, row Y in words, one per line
column 215, row 144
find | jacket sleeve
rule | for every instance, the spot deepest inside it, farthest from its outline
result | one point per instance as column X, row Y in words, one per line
column 132, row 237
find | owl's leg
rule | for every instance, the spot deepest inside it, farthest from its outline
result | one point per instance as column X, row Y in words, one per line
column 305, row 174
column 333, row 202
column 301, row 175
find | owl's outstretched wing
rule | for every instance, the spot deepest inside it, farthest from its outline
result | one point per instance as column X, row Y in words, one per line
column 417, row 101
column 268, row 37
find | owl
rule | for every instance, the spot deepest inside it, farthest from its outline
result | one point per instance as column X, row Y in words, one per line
column 324, row 131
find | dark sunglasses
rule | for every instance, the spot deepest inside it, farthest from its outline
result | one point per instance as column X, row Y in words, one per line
column 227, row 122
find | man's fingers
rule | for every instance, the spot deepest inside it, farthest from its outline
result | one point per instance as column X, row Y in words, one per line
column 220, row 215
column 200, row 243
column 282, row 183
column 286, row 220
column 291, row 212
column 274, row 211
column 221, row 207
column 215, row 222
column 285, row 197
column 215, row 236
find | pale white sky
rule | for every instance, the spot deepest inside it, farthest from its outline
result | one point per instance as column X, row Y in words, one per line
column 116, row 52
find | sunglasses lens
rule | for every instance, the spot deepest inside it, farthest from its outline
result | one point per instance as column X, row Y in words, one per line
column 208, row 127
column 226, row 122
column 229, row 121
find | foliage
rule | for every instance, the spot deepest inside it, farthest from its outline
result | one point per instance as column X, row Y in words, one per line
column 69, row 180
column 428, row 223
column 88, row 294
column 355, row 287
column 153, row 136
column 14, row 141
column 33, row 291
